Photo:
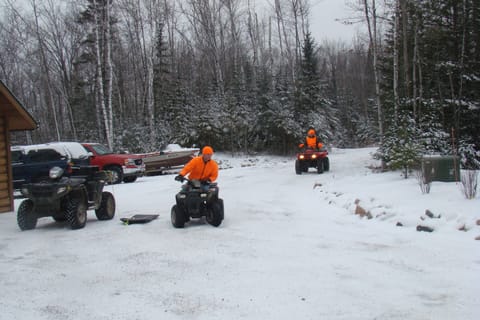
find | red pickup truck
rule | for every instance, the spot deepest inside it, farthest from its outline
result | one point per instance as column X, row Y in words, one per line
column 124, row 167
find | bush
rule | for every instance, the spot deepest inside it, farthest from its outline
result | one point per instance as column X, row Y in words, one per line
column 422, row 181
column 469, row 180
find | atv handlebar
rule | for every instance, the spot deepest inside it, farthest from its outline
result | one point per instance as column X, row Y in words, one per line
column 195, row 183
column 182, row 179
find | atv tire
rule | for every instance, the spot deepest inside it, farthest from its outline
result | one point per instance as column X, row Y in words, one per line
column 76, row 213
column 326, row 164
column 106, row 211
column 177, row 217
column 298, row 167
column 26, row 218
column 320, row 168
column 215, row 213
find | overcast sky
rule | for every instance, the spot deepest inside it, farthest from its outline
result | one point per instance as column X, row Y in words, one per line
column 323, row 25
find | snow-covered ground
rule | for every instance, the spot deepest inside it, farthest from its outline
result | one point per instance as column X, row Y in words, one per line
column 286, row 250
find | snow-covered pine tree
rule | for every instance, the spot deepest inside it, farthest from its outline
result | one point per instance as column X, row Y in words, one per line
column 401, row 148
column 312, row 108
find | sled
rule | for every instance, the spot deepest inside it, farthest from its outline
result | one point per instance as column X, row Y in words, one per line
column 139, row 218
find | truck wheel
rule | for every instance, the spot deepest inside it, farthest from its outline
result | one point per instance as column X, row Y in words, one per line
column 116, row 175
column 26, row 219
column 177, row 216
column 298, row 167
column 76, row 213
column 320, row 166
column 106, row 211
column 130, row 179
column 215, row 213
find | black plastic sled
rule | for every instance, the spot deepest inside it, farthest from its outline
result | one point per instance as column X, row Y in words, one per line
column 139, row 218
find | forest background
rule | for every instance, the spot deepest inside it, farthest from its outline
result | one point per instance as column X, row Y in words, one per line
column 138, row 75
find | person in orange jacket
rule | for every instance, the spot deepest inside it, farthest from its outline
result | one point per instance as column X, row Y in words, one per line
column 202, row 168
column 311, row 140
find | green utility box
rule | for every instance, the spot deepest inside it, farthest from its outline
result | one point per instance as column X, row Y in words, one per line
column 441, row 168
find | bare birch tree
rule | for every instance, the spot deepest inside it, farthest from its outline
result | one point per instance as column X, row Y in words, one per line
column 101, row 17
column 207, row 25
column 46, row 69
column 370, row 11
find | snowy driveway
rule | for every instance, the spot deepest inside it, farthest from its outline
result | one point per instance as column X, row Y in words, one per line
column 286, row 250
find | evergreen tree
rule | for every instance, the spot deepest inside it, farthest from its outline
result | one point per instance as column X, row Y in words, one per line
column 164, row 90
column 312, row 109
column 437, row 75
column 276, row 126
column 401, row 148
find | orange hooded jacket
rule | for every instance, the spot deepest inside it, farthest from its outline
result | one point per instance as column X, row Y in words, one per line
column 201, row 170
column 311, row 142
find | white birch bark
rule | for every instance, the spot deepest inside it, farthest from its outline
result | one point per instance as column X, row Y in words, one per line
column 100, row 97
column 371, row 18
column 108, row 77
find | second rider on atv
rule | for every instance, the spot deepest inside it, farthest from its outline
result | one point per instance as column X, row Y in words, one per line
column 313, row 154
column 311, row 141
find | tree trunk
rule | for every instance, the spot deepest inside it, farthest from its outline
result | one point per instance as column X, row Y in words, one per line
column 99, row 92
column 46, row 70
column 372, row 32
column 108, row 76
column 395, row 61
column 416, row 112
column 406, row 69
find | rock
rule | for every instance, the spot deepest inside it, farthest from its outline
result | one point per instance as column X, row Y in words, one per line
column 424, row 228
column 430, row 214
column 361, row 211
column 477, row 238
column 317, row 184
column 478, row 222
column 399, row 224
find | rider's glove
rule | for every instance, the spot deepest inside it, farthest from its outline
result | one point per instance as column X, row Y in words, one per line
column 205, row 182
column 179, row 178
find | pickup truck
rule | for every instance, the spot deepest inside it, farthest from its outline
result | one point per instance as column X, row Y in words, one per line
column 32, row 163
column 123, row 167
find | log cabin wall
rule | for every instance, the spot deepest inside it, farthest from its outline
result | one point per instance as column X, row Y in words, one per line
column 6, row 193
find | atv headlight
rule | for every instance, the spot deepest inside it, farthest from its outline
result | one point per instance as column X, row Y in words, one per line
column 314, row 156
column 301, row 157
column 203, row 195
column 55, row 172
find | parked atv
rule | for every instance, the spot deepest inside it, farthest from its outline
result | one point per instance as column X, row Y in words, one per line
column 197, row 200
column 312, row 158
column 66, row 198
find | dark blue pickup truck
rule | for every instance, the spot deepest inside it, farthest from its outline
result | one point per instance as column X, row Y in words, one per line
column 32, row 163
